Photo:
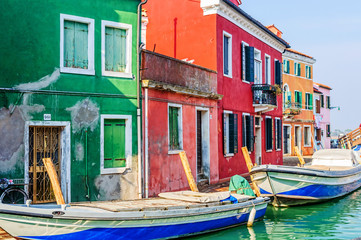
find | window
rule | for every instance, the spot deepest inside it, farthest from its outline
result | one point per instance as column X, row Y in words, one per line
column 249, row 70
column 175, row 133
column 286, row 66
column 309, row 101
column 76, row 45
column 297, row 69
column 116, row 49
column 278, row 72
column 328, row 130
column 116, row 147
column 298, row 99
column 278, row 133
column 318, row 134
column 322, row 100
column 328, row 102
column 307, row 136
column 230, row 133
column 244, row 60
column 257, row 67
column 268, row 69
column 269, row 136
column 248, row 132
column 227, row 54
column 308, row 72
column 318, row 108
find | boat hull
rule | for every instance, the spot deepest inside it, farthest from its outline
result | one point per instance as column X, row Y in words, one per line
column 148, row 225
column 289, row 186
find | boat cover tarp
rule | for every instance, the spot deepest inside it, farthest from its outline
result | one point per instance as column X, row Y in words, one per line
column 241, row 186
column 335, row 157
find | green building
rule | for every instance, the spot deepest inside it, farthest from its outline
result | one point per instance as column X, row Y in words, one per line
column 68, row 91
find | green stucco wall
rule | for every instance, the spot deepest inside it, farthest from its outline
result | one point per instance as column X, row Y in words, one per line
column 30, row 60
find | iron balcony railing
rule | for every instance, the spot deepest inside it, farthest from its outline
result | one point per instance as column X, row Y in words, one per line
column 264, row 94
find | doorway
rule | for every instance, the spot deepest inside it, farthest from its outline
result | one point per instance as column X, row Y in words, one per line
column 298, row 137
column 202, row 145
column 286, row 139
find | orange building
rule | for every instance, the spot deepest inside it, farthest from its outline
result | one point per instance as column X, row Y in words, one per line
column 298, row 102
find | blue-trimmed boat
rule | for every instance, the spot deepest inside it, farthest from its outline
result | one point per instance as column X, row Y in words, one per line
column 139, row 219
column 332, row 173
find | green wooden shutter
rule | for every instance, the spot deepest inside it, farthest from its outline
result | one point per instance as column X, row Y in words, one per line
column 173, row 128
column 284, row 66
column 114, row 143
column 311, row 101
column 243, row 61
column 231, row 133
column 81, row 45
column 109, row 49
column 322, row 101
column 244, row 133
column 299, row 69
column 288, row 66
column 251, row 135
column 250, row 64
column 224, row 133
column 235, row 133
column 69, row 34
column 278, row 72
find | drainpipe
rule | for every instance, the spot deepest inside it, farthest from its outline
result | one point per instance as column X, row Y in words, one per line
column 139, row 127
column 146, row 158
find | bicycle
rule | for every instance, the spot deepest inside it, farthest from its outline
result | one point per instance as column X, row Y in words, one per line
column 11, row 191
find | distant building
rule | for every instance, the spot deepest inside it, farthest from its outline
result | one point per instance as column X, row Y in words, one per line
column 297, row 102
column 322, row 126
column 247, row 57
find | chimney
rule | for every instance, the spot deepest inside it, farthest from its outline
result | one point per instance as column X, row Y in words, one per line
column 275, row 30
column 236, row 2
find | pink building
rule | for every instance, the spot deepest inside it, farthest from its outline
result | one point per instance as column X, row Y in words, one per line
column 322, row 116
column 180, row 113
column 247, row 56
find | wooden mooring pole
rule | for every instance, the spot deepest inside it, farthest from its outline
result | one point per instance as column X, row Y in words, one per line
column 249, row 164
column 188, row 171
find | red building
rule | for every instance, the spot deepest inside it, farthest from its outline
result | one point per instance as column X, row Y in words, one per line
column 180, row 113
column 247, row 57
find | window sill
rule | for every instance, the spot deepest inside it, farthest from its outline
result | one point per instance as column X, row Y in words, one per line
column 229, row 155
column 268, row 151
column 246, row 81
column 105, row 171
column 278, row 150
column 307, row 145
column 225, row 75
column 117, row 74
column 77, row 71
column 170, row 152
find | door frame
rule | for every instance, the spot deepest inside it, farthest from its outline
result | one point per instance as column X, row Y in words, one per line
column 205, row 139
column 258, row 143
column 65, row 154
column 299, row 137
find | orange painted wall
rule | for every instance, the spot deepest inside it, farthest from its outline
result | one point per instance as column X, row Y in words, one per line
column 304, row 85
column 170, row 34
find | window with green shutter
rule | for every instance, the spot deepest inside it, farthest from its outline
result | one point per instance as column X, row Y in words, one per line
column 298, row 99
column 278, row 133
column 297, row 69
column 114, row 143
column 248, row 132
column 230, row 133
column 286, row 66
column 269, row 134
column 308, row 72
column 328, row 102
column 75, row 45
column 322, row 100
column 174, row 128
column 115, row 49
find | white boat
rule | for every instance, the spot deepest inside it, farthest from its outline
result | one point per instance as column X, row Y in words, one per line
column 139, row 219
column 332, row 173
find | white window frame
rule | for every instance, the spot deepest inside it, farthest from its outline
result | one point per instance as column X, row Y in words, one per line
column 90, row 22
column 307, row 102
column 128, row 69
column 309, row 136
column 128, row 144
column 267, row 73
column 276, row 135
column 228, row 154
column 244, row 68
column 296, row 69
column 256, row 51
column 180, row 128
column 229, row 54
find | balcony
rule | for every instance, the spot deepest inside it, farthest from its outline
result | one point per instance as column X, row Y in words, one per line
column 291, row 109
column 264, row 97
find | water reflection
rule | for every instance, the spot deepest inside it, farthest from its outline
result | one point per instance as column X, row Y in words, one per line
column 337, row 219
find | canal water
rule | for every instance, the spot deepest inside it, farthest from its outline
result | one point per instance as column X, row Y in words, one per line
column 337, row 219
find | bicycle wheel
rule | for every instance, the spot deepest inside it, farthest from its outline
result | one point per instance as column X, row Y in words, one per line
column 13, row 196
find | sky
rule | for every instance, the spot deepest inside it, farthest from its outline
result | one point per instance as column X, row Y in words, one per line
column 329, row 31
